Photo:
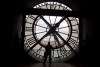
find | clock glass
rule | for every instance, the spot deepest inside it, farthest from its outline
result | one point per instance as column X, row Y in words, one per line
column 62, row 32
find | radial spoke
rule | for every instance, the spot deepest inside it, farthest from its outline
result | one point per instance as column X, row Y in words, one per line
column 56, row 38
column 42, row 26
column 46, row 6
column 59, row 7
column 39, row 41
column 49, row 38
column 40, row 32
column 63, row 27
column 50, row 5
column 55, row 41
column 62, row 33
column 55, row 7
column 46, row 21
column 61, row 51
column 55, row 20
column 50, row 19
column 58, row 54
column 65, row 42
column 57, row 24
column 39, row 49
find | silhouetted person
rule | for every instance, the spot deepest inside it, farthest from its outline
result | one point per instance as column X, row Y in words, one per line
column 47, row 52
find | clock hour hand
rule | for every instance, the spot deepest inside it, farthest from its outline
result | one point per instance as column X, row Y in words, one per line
column 39, row 41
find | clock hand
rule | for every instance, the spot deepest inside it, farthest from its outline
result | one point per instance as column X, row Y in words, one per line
column 39, row 41
column 53, row 28
column 57, row 24
column 45, row 21
column 56, row 38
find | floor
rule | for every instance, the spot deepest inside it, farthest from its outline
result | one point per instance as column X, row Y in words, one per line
column 51, row 65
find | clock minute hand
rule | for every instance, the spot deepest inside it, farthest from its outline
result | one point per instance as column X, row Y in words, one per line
column 57, row 24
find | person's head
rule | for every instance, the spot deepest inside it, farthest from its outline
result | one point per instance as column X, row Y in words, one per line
column 48, row 43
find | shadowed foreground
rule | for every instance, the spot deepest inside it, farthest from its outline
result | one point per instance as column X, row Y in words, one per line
column 51, row 65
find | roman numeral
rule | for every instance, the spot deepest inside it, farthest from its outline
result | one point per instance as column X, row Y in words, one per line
column 72, row 42
column 75, row 31
column 64, row 50
column 29, row 29
column 32, row 17
column 30, row 41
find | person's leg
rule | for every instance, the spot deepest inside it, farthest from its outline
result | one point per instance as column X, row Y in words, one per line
column 50, row 59
column 45, row 57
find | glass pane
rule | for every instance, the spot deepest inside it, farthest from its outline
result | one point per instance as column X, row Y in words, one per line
column 52, row 18
column 66, row 47
column 63, row 24
column 36, row 47
column 55, row 53
column 42, row 51
column 41, row 23
column 58, row 19
column 47, row 18
column 43, row 7
column 39, row 36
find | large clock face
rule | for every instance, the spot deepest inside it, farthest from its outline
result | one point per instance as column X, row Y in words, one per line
column 62, row 32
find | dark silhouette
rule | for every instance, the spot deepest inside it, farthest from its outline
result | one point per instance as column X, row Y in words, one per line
column 47, row 52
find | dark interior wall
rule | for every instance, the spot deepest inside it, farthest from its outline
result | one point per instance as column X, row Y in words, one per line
column 16, row 52
column 17, row 26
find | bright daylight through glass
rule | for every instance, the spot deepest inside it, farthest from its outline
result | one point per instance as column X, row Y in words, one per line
column 61, row 31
